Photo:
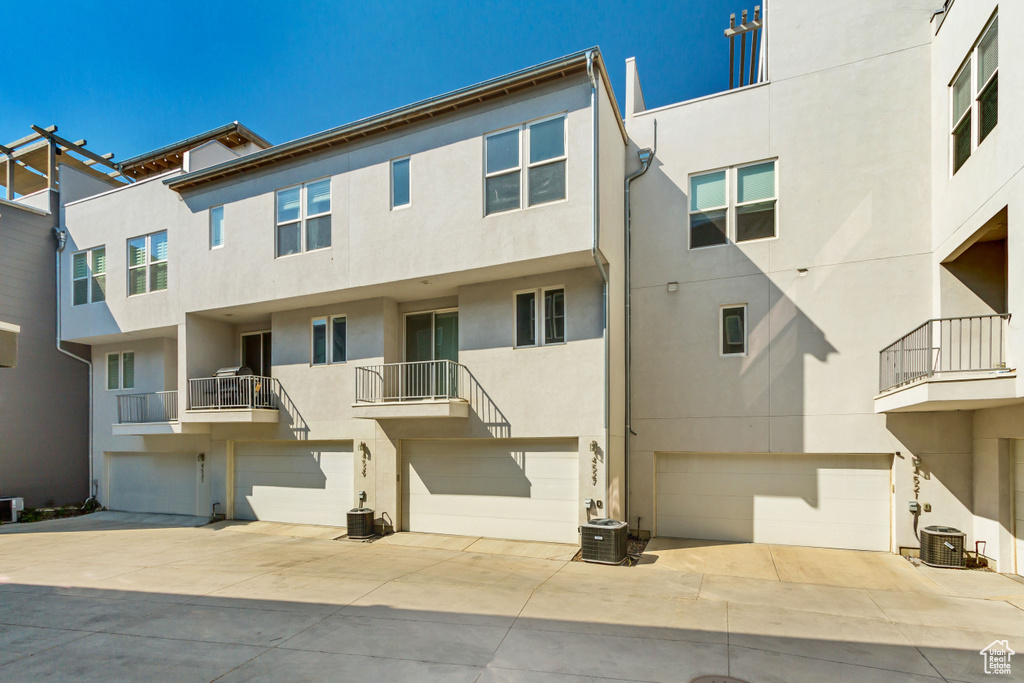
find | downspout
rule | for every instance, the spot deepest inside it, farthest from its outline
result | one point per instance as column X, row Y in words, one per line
column 595, row 252
column 62, row 238
column 646, row 156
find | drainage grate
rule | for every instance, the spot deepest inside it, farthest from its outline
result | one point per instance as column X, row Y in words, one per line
column 716, row 679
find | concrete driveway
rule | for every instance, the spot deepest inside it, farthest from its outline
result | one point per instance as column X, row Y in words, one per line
column 101, row 599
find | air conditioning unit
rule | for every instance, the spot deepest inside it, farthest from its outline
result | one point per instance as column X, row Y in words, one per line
column 360, row 523
column 943, row 546
column 604, row 541
column 9, row 509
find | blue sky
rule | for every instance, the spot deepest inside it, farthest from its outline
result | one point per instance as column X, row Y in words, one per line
column 133, row 76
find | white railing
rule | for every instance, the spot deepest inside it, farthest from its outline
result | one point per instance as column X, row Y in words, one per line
column 967, row 344
column 244, row 391
column 415, row 381
column 156, row 406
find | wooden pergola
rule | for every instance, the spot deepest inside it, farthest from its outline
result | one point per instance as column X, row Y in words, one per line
column 30, row 164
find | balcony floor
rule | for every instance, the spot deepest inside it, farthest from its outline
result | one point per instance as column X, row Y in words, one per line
column 952, row 391
column 232, row 415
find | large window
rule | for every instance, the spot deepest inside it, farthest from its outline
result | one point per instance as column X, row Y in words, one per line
column 89, row 276
column 737, row 203
column 328, row 340
column 974, row 97
column 147, row 263
column 121, row 370
column 303, row 217
column 545, row 150
column 400, row 191
column 540, row 317
column 734, row 330
column 216, row 227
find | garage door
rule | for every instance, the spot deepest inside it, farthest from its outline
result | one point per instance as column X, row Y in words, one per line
column 499, row 488
column 827, row 500
column 298, row 483
column 152, row 482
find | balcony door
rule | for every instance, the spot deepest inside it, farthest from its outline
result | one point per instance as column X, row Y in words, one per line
column 429, row 337
column 256, row 352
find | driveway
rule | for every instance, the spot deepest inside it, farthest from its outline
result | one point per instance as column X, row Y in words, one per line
column 101, row 599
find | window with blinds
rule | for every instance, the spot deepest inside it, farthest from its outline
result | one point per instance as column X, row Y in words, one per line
column 303, row 219
column 120, row 370
column 737, row 203
column 216, row 227
column 89, row 276
column 147, row 263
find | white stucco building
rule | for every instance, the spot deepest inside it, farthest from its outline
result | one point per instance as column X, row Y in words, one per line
column 438, row 311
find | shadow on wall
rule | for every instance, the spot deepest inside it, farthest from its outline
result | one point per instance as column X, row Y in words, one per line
column 290, row 415
column 494, row 476
column 486, row 417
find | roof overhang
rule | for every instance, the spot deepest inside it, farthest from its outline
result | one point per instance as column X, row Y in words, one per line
column 170, row 156
column 404, row 117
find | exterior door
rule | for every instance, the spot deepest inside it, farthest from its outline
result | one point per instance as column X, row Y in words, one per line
column 256, row 352
column 429, row 337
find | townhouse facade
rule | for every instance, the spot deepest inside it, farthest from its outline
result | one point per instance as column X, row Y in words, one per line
column 798, row 331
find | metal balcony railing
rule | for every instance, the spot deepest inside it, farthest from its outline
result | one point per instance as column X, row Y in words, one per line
column 156, row 406
column 967, row 344
column 415, row 381
column 245, row 391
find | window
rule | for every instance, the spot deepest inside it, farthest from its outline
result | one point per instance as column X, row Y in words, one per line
column 544, row 142
column 89, row 276
column 216, row 227
column 400, row 195
column 120, row 370
column 147, row 263
column 304, row 217
column 734, row 330
column 549, row 326
column 335, row 329
column 737, row 203
column 974, row 97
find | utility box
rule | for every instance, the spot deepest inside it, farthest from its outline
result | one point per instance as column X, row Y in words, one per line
column 9, row 509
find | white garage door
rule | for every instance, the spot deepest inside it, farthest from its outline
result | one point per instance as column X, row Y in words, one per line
column 307, row 483
column 152, row 482
column 827, row 500
column 498, row 488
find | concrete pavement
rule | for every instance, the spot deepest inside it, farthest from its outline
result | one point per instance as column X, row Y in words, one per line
column 102, row 599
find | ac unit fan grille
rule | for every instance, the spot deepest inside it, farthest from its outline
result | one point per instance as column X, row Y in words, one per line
column 942, row 546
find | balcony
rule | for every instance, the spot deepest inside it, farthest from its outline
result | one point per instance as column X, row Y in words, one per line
column 155, row 412
column 947, row 364
column 421, row 389
column 235, row 399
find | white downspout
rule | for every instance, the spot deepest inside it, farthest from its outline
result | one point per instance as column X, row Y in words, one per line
column 62, row 238
column 595, row 252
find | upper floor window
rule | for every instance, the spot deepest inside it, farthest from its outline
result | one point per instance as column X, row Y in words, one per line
column 89, row 276
column 304, row 217
column 328, row 340
column 974, row 97
column 734, row 330
column 544, row 142
column 400, row 190
column 737, row 203
column 540, row 317
column 216, row 227
column 121, row 370
column 147, row 263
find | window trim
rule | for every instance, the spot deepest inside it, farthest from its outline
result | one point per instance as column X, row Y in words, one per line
column 539, row 331
column 149, row 263
column 222, row 221
column 391, row 179
column 971, row 62
column 524, row 163
column 120, row 370
column 732, row 204
column 721, row 332
column 89, row 277
column 303, row 216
